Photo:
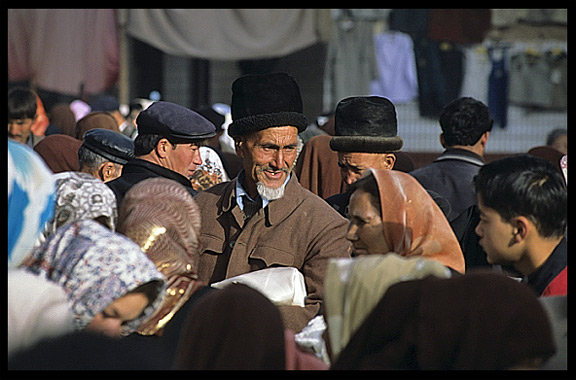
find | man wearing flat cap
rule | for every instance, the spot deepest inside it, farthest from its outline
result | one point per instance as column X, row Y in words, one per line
column 167, row 145
column 104, row 153
column 264, row 217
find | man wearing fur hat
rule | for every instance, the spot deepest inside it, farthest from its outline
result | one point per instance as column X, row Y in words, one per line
column 365, row 136
column 264, row 217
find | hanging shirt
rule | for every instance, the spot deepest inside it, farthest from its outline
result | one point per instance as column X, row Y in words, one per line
column 397, row 79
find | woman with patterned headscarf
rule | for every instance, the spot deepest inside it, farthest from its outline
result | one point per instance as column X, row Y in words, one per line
column 111, row 285
column 80, row 196
column 391, row 212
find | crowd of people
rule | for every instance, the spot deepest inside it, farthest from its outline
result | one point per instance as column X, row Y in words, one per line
column 184, row 239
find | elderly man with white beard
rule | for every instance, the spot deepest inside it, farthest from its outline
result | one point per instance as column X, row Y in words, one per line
column 264, row 218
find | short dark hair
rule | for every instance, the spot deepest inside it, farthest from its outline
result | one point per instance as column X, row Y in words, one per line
column 464, row 120
column 21, row 103
column 145, row 143
column 528, row 186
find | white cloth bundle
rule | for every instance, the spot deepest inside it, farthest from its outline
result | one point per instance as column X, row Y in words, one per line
column 282, row 285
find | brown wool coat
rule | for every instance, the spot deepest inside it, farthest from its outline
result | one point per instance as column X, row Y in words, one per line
column 299, row 230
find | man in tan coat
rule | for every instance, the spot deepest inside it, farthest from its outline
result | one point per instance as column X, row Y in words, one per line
column 264, row 217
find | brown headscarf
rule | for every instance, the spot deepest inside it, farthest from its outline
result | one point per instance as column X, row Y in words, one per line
column 161, row 216
column 236, row 328
column 96, row 120
column 317, row 168
column 481, row 320
column 413, row 223
column 60, row 152
column 62, row 116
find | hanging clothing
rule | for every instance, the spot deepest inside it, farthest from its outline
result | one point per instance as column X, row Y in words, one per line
column 69, row 51
column 350, row 61
column 462, row 26
column 225, row 34
column 396, row 65
column 440, row 68
column 498, row 86
column 477, row 68
column 539, row 79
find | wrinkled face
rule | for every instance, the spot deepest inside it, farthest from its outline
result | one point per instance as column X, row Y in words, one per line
column 354, row 164
column 365, row 230
column 19, row 129
column 121, row 311
column 496, row 237
column 268, row 156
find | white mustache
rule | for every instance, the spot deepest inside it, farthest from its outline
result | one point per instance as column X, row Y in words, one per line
column 261, row 169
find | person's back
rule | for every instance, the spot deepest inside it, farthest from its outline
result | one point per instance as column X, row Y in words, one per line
column 466, row 126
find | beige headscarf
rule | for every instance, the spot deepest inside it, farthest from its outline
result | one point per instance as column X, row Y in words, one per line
column 352, row 287
column 161, row 216
column 413, row 223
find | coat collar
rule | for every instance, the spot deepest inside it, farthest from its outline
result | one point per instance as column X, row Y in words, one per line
column 461, row 155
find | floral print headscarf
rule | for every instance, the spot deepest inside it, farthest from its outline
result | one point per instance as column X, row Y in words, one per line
column 95, row 266
column 82, row 196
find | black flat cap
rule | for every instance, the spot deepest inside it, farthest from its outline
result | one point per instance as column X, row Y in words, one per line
column 174, row 122
column 112, row 145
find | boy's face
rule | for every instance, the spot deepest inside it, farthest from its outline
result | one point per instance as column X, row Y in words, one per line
column 496, row 237
column 19, row 129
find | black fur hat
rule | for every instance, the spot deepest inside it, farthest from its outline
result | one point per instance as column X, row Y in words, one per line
column 261, row 101
column 366, row 124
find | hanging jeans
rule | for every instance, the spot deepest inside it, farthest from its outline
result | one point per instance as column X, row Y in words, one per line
column 498, row 87
column 440, row 69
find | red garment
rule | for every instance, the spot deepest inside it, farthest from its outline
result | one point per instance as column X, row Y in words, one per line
column 64, row 50
column 459, row 25
column 558, row 286
column 317, row 168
